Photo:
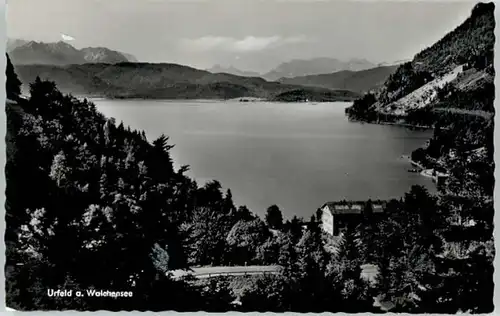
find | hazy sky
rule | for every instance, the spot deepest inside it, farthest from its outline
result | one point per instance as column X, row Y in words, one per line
column 249, row 34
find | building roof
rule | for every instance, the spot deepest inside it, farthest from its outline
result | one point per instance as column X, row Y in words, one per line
column 353, row 207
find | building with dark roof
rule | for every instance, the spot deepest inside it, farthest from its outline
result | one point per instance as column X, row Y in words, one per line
column 335, row 216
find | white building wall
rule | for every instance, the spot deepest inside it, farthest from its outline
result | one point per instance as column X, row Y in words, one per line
column 327, row 220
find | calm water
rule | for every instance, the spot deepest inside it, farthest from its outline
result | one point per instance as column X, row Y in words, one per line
column 295, row 155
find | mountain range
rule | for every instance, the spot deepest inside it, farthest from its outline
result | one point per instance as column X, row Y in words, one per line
column 300, row 67
column 12, row 43
column 315, row 66
column 168, row 81
column 24, row 52
column 99, row 71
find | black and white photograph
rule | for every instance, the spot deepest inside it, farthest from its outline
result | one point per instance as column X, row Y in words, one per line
column 250, row 156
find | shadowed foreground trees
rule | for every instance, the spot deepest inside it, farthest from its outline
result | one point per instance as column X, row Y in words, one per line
column 102, row 201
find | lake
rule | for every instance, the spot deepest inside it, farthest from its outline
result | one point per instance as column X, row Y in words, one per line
column 295, row 155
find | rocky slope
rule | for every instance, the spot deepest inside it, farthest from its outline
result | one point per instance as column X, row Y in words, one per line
column 13, row 43
column 102, row 55
column 421, row 97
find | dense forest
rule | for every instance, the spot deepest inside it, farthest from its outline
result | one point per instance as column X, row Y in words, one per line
column 313, row 95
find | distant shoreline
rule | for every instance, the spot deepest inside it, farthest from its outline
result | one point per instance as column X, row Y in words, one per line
column 413, row 163
column 424, row 171
column 423, row 127
column 240, row 100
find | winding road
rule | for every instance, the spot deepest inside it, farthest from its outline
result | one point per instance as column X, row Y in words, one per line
column 484, row 114
column 210, row 272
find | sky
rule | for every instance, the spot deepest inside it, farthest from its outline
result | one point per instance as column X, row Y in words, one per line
column 252, row 35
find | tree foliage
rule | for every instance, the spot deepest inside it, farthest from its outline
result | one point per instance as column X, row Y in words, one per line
column 13, row 84
column 274, row 218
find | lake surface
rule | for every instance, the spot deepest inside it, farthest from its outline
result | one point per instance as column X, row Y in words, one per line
column 295, row 155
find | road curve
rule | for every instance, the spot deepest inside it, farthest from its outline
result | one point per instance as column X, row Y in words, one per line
column 208, row 272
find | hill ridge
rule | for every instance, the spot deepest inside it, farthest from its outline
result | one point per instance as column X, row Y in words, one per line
column 315, row 66
column 165, row 81
column 470, row 46
column 358, row 81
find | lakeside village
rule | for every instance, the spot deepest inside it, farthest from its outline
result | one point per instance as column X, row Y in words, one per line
column 437, row 173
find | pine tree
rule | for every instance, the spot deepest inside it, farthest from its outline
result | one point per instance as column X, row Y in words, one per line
column 60, row 170
column 274, row 218
column 229, row 207
column 13, row 84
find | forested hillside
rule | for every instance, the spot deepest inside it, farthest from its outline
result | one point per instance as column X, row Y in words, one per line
column 359, row 81
column 471, row 42
column 461, row 113
column 470, row 46
column 313, row 95
column 233, row 71
column 162, row 81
